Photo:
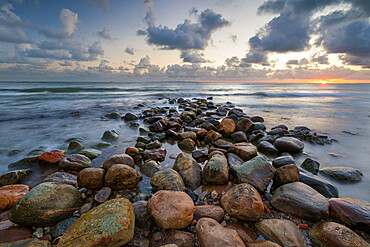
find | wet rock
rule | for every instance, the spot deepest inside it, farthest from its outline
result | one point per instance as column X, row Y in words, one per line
column 234, row 160
column 243, row 202
column 301, row 200
column 244, row 125
column 187, row 145
column 74, row 162
column 262, row 243
column 282, row 161
column 328, row 234
column 171, row 209
column 227, row 126
column 154, row 145
column 221, row 143
column 74, row 147
column 51, row 157
column 101, row 145
column 144, row 139
column 344, row 174
column 286, row 174
column 156, row 127
column 211, row 234
column 257, row 119
column 283, row 232
column 34, row 242
column 167, row 179
column 150, row 167
column 172, row 238
column 209, row 211
column 188, row 134
column 62, row 227
column 14, row 177
column 24, row 163
column 289, row 144
column 140, row 145
column 216, row 171
column 103, row 194
column 122, row 177
column 155, row 154
column 110, row 135
column 91, row 178
column 243, row 232
column 61, row 178
column 208, row 126
column 14, row 233
column 11, row 194
column 109, row 224
column 199, row 154
column 257, row 172
column 142, row 218
column 124, row 159
column 113, row 115
column 201, row 134
column 212, row 136
column 239, row 136
column 322, row 186
column 244, row 150
column 351, row 211
column 46, row 204
column 91, row 153
column 311, row 165
column 189, row 170
column 130, row 117
column 267, row 148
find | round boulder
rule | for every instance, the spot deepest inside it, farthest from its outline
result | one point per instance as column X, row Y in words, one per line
column 289, row 144
column 124, row 159
column 74, row 163
column 11, row 194
column 120, row 177
column 227, row 126
column 91, row 178
column 167, row 179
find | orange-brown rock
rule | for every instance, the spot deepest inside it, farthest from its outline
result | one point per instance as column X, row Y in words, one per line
column 172, row 237
column 243, row 202
column 286, row 174
column 74, row 163
column 51, row 157
column 155, row 154
column 212, row 136
column 120, row 177
column 124, row 159
column 187, row 145
column 244, row 150
column 201, row 133
column 227, row 126
column 262, row 243
column 242, row 231
column 171, row 209
column 209, row 211
column 211, row 234
column 11, row 194
column 91, row 178
column 244, row 124
column 15, row 233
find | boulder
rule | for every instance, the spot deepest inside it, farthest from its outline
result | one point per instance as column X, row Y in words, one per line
column 142, row 218
column 130, row 117
column 74, row 163
column 221, row 143
column 212, row 136
column 91, row 178
column 267, row 148
column 189, row 170
column 282, row 161
column 289, row 144
column 322, row 186
column 62, row 227
column 216, row 171
column 227, row 126
column 286, row 174
column 91, row 153
column 239, row 136
column 46, row 204
column 51, row 157
column 244, row 233
column 244, row 125
column 153, row 145
column 109, row 224
column 110, row 135
column 234, row 160
column 171, row 209
column 167, row 179
column 172, row 238
column 301, row 200
column 33, row 242
column 262, row 243
column 311, row 165
column 14, row 177
column 188, row 134
column 11, row 194
column 243, row 202
column 144, row 139
column 61, row 178
column 155, row 154
column 124, row 159
column 150, row 168
column 11, row 233
column 244, row 150
column 74, row 147
column 122, row 177
column 209, row 211
column 344, row 174
column 187, row 145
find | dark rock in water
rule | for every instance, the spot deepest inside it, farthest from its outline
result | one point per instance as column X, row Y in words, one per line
column 62, row 227
column 234, row 160
column 61, row 178
column 154, row 145
column 243, row 202
column 109, row 224
column 267, row 148
column 91, row 178
column 51, row 157
column 244, row 150
column 74, row 162
column 244, row 125
column 110, row 135
column 142, row 218
column 286, row 174
column 46, row 204
column 103, row 194
column 208, row 126
column 14, row 177
column 74, row 147
column 344, row 174
column 150, row 168
column 227, row 126
column 276, row 131
column 301, row 128
column 167, row 179
column 221, row 143
column 157, row 136
column 122, row 177
column 156, row 127
column 328, row 234
column 91, row 153
column 209, row 211
column 282, row 161
column 301, row 200
column 281, row 126
column 144, row 139
column 133, row 125
column 172, row 238
column 187, row 145
column 188, row 134
column 311, row 165
column 171, row 134
column 140, row 145
column 199, row 154
column 351, row 211
column 257, row 172
column 234, row 118
column 24, row 163
column 289, row 144
column 113, row 115
column 130, row 117
column 101, row 145
column 322, row 186
column 189, row 170
column 216, row 171
column 155, row 154
column 239, row 136
column 11, row 194
column 257, row 119
column 212, row 136
column 124, row 159
column 259, row 126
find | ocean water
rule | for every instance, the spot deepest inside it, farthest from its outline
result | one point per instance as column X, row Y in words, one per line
column 43, row 115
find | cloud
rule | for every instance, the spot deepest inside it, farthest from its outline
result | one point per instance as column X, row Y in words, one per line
column 193, row 57
column 68, row 21
column 129, row 50
column 101, row 4
column 104, row 34
column 234, row 38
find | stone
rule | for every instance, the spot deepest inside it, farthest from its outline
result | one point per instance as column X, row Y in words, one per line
column 283, row 232
column 353, row 212
column 344, row 174
column 212, row 136
column 24, row 163
column 91, row 178
column 243, row 232
column 244, row 125
column 209, row 211
column 211, row 234
column 110, row 135
column 227, row 126
column 74, row 163
column 51, row 157
column 286, row 174
column 144, row 139
column 216, row 171
column 85, row 208
column 234, row 160
column 14, row 233
column 74, row 147
column 189, row 170
column 124, row 159
column 138, row 242
column 258, row 172
column 311, row 165
column 289, row 144
column 91, row 153
column 101, row 145
column 34, row 242
column 244, row 150
column 167, row 179
column 130, row 117
column 262, row 243
column 328, row 234
column 221, row 143
column 122, row 177
column 14, row 177
column 46, row 204
column 154, row 145
column 171, row 209
column 188, row 134
column 155, row 154
column 11, row 194
column 109, row 224
column 202, row 133
column 142, row 218
column 172, row 238
column 267, row 148
column 199, row 154
column 243, row 202
column 61, row 178
column 187, row 145
column 301, row 200
column 282, row 161
column 322, row 186
column 208, row 126
column 239, row 136
column 113, row 115
column 150, row 168
column 62, row 227
column 156, row 127
column 103, row 194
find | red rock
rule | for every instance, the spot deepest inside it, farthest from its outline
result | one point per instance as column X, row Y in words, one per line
column 244, row 125
column 155, row 154
column 262, row 243
column 210, row 211
column 201, row 133
column 11, row 194
column 242, row 231
column 51, row 157
column 15, row 233
column 303, row 226
column 179, row 238
column 124, row 159
column 244, row 150
column 212, row 136
column 227, row 126
column 286, row 174
column 103, row 195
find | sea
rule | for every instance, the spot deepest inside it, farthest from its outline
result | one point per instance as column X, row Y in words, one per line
column 44, row 115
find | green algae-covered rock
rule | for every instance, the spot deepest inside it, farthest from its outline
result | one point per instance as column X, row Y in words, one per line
column 46, row 205
column 91, row 153
column 110, row 224
column 216, row 171
column 167, row 179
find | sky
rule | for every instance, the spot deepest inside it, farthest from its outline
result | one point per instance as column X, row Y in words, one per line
column 192, row 40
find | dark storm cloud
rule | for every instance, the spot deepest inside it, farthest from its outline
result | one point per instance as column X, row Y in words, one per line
column 193, row 57
column 130, row 51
